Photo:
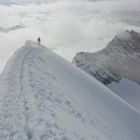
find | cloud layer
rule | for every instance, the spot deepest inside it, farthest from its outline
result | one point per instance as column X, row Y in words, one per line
column 66, row 26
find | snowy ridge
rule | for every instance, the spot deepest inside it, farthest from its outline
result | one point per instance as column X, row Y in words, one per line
column 119, row 60
column 44, row 97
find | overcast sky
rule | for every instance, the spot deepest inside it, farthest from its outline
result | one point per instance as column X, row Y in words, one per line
column 65, row 26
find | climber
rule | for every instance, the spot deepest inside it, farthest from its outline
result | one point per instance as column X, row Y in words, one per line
column 39, row 40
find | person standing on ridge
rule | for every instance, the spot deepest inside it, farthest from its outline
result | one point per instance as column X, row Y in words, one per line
column 39, row 40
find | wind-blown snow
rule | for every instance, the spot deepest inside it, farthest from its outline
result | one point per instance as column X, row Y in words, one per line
column 44, row 97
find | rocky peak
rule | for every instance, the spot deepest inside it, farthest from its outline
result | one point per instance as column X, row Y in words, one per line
column 119, row 59
column 125, row 43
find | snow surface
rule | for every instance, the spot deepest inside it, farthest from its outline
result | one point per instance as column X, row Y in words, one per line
column 120, row 59
column 128, row 90
column 44, row 97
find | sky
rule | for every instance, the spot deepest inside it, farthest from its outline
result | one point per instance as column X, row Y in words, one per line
column 65, row 26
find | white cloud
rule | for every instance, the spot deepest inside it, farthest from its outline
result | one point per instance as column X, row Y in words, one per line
column 66, row 26
column 123, row 10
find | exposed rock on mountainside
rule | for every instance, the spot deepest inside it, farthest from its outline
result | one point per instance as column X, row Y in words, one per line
column 119, row 60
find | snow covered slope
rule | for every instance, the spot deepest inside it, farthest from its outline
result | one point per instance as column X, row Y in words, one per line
column 128, row 90
column 44, row 97
column 119, row 60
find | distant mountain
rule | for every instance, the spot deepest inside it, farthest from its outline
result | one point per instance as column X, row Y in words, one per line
column 13, row 28
column 119, row 60
column 44, row 97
